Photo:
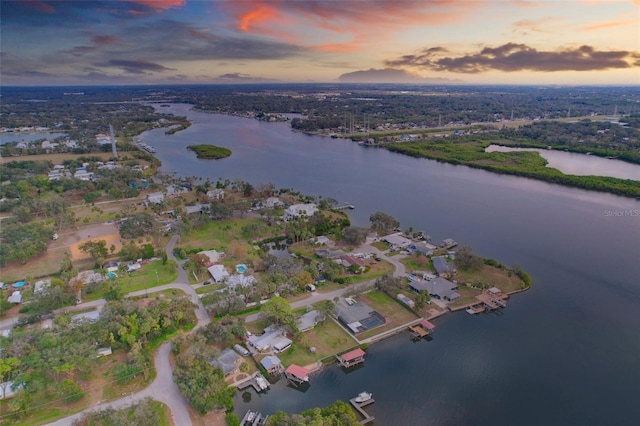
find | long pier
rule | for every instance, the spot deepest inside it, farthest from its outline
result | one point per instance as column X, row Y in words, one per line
column 358, row 407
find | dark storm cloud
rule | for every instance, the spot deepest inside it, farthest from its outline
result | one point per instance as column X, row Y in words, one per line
column 519, row 57
column 388, row 75
column 134, row 67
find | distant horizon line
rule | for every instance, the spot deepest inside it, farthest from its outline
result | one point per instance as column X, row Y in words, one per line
column 551, row 85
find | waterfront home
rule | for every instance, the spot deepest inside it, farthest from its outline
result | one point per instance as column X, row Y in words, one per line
column 272, row 364
column 397, row 240
column 443, row 268
column 299, row 210
column 272, row 203
column 438, row 288
column 228, row 362
column 218, row 273
column 215, row 194
column 421, row 247
column 358, row 316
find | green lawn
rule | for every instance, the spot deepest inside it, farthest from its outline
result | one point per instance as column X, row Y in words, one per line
column 139, row 280
column 416, row 262
column 381, row 245
column 376, row 270
column 394, row 312
column 490, row 276
column 328, row 339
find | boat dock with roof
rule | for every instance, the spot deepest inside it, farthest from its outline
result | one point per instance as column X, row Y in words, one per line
column 351, row 358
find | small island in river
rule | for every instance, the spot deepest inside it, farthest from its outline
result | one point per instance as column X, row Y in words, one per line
column 210, row 151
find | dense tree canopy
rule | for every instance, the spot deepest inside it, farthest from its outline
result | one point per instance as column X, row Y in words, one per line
column 384, row 222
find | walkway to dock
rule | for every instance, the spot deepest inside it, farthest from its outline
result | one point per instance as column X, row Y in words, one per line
column 248, row 382
column 358, row 407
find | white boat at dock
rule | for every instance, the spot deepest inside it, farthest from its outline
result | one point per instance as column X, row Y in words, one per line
column 262, row 383
column 363, row 397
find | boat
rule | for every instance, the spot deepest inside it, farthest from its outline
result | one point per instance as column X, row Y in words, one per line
column 262, row 383
column 250, row 416
column 363, row 397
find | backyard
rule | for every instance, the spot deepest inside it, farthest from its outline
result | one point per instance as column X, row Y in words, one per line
column 392, row 310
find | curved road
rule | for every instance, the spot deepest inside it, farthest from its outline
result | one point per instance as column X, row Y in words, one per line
column 163, row 388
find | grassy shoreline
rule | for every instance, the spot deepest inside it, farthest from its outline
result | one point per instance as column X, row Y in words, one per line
column 526, row 164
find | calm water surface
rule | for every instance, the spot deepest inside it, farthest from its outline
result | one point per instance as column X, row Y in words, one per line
column 567, row 352
column 28, row 137
column 572, row 163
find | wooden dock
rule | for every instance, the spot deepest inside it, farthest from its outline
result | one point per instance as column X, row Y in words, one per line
column 253, row 418
column 252, row 382
column 417, row 332
column 358, row 407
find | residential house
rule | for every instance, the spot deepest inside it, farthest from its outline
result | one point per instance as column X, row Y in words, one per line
column 155, row 198
column 215, row 194
column 240, row 280
column 348, row 261
column 228, row 361
column 300, row 210
column 272, row 203
column 421, row 247
column 321, row 240
column 16, row 297
column 198, row 208
column 40, row 286
column 308, row 320
column 443, row 268
column 397, row 240
column 272, row 364
column 213, row 255
column 438, row 288
column 218, row 273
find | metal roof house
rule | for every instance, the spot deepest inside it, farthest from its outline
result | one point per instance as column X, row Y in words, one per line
column 218, row 273
column 439, row 288
column 272, row 364
column 397, row 240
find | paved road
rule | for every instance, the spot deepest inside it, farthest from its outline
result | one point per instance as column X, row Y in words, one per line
column 163, row 388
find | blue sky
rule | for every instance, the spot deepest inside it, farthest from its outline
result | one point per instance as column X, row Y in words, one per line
column 50, row 42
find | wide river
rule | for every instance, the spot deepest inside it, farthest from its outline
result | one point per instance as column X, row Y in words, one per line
column 566, row 352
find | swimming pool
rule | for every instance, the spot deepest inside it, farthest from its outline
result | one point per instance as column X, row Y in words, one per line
column 111, row 275
column 241, row 268
column 18, row 284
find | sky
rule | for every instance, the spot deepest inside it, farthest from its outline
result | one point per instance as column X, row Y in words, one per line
column 568, row 42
